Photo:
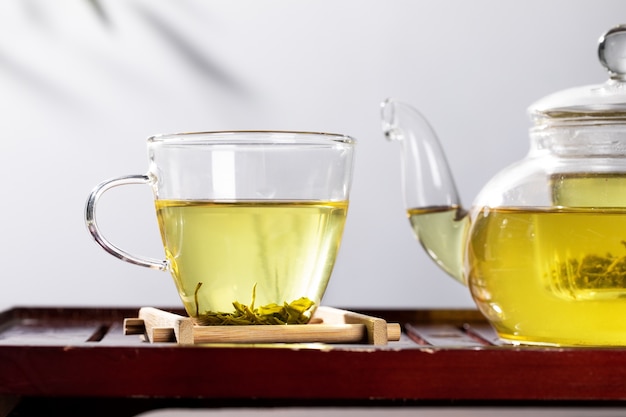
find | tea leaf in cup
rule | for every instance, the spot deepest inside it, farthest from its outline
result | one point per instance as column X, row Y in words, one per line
column 296, row 312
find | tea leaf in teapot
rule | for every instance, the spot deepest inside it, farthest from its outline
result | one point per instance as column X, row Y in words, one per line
column 594, row 271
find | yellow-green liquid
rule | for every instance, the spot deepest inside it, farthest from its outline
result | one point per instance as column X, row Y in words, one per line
column 441, row 230
column 284, row 250
column 588, row 190
column 553, row 276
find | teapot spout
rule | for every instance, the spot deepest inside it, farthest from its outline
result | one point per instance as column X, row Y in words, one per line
column 430, row 194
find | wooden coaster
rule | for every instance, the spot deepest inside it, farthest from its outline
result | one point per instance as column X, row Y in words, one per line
column 329, row 325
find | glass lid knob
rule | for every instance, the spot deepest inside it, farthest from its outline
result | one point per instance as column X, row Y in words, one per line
column 612, row 52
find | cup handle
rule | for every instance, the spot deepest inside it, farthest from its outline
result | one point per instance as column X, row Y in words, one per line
column 92, row 225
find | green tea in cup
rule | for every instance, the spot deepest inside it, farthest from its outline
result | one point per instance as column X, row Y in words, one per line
column 251, row 221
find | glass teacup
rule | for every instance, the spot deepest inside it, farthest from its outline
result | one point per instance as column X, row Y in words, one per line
column 251, row 221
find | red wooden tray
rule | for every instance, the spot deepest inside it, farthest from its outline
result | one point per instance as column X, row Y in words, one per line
column 442, row 355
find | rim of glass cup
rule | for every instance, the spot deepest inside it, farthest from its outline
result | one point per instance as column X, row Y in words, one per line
column 253, row 137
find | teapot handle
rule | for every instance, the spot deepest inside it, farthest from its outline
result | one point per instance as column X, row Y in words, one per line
column 92, row 225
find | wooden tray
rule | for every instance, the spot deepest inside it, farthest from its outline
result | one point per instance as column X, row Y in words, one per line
column 328, row 325
column 441, row 355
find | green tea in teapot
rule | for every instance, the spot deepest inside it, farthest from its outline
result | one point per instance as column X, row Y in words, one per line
column 585, row 189
column 543, row 246
column 439, row 229
column 561, row 270
column 557, row 269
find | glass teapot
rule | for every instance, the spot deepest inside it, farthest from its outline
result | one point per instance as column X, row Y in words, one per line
column 543, row 247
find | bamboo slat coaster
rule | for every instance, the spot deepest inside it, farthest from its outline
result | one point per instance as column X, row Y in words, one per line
column 329, row 325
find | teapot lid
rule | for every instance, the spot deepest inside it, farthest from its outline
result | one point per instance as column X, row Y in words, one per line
column 591, row 104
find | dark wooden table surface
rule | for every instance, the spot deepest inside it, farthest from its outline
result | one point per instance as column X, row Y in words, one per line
column 78, row 359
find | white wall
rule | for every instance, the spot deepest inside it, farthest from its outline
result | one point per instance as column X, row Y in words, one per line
column 80, row 92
